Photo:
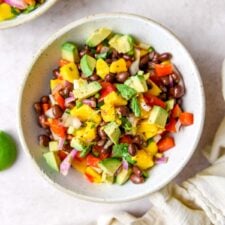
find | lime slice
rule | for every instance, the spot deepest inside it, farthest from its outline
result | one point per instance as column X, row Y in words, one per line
column 8, row 151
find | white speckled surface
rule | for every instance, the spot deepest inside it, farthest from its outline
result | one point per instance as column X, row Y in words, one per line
column 25, row 197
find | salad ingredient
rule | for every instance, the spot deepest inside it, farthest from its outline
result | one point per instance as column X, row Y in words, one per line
column 5, row 12
column 8, row 151
column 113, row 107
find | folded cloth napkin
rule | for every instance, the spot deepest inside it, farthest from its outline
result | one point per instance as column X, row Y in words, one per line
column 198, row 201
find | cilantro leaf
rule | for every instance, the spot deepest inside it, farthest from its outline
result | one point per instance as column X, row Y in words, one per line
column 135, row 107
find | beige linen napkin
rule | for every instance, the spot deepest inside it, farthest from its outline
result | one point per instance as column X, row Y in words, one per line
column 197, row 201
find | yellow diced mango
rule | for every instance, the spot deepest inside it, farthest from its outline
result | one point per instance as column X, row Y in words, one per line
column 108, row 113
column 118, row 66
column 5, row 12
column 55, row 82
column 87, row 133
column 70, row 72
column 102, row 68
column 79, row 165
column 147, row 129
column 155, row 90
column 86, row 113
column 143, row 160
column 96, row 177
column 114, row 99
column 152, row 148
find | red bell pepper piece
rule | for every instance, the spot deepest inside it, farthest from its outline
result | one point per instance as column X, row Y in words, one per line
column 92, row 161
column 60, row 100
column 106, row 89
column 171, row 126
column 153, row 100
column 126, row 139
column 186, row 118
column 165, row 144
column 57, row 128
column 163, row 69
column 89, row 177
column 176, row 111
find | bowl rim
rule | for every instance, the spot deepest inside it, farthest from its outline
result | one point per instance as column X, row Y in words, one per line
column 54, row 37
column 20, row 19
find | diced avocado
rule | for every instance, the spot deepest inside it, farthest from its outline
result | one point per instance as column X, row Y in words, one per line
column 78, row 144
column 126, row 91
column 158, row 116
column 113, row 132
column 134, row 105
column 52, row 160
column 140, row 72
column 170, row 104
column 70, row 52
column 98, row 36
column 53, row 146
column 110, row 165
column 138, row 83
column 122, row 43
column 123, row 176
column 106, row 178
column 79, row 83
column 87, row 90
column 71, row 130
column 87, row 64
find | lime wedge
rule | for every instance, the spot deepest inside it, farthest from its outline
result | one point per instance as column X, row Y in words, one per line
column 8, row 151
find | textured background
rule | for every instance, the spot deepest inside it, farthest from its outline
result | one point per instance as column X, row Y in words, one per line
column 25, row 198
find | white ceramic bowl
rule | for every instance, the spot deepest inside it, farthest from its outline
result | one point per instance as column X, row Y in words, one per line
column 37, row 84
column 23, row 18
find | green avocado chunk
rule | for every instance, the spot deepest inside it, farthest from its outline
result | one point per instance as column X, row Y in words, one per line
column 138, row 83
column 123, row 176
column 70, row 52
column 98, row 36
column 134, row 105
column 110, row 165
column 87, row 64
column 158, row 116
column 122, row 43
column 87, row 90
column 126, row 91
column 106, row 178
column 52, row 160
column 8, row 151
column 113, row 132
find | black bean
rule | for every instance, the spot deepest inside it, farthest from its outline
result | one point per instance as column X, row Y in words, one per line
column 136, row 179
column 109, row 61
column 67, row 147
column 110, row 77
column 163, row 96
column 57, row 111
column 101, row 133
column 177, row 91
column 123, row 110
column 165, row 56
column 43, row 140
column 70, row 105
column 121, row 77
column 42, row 119
column 45, row 99
column 38, row 108
column 144, row 60
column 156, row 58
column 137, row 140
column 106, row 150
column 137, row 171
column 132, row 149
column 101, row 142
column 165, row 80
column 151, row 55
column 115, row 54
column 94, row 77
column 176, row 77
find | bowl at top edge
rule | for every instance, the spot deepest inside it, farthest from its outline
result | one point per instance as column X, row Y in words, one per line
column 23, row 18
column 37, row 81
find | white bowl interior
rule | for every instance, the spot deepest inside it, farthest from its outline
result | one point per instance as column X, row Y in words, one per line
column 27, row 17
column 37, row 84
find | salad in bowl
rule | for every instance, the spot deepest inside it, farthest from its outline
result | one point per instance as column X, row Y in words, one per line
column 112, row 109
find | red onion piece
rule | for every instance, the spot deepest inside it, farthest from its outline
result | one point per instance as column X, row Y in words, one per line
column 69, row 99
column 161, row 160
column 71, row 94
column 157, row 138
column 61, row 143
column 20, row 4
column 66, row 163
column 125, row 164
column 178, row 125
column 89, row 102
